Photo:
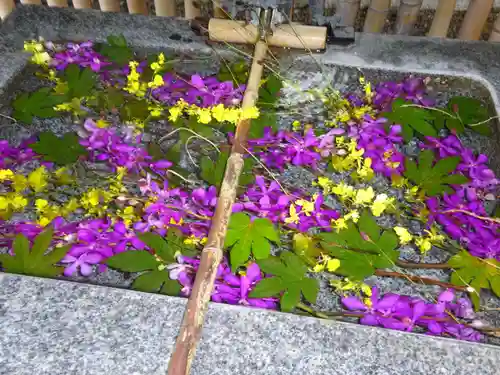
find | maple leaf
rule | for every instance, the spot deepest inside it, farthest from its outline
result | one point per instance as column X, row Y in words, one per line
column 411, row 118
column 34, row 262
column 40, row 103
column 432, row 178
column 477, row 273
column 63, row 151
column 80, row 81
column 245, row 237
column 290, row 278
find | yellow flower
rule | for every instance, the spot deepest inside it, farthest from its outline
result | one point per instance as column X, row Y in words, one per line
column 364, row 170
column 4, row 203
column 294, row 217
column 63, row 176
column 218, row 112
column 155, row 111
column 6, row 175
column 307, row 206
column 38, row 179
column 364, row 196
column 70, row 206
column 347, row 285
column 326, row 184
column 339, row 224
column 204, row 115
column 174, row 112
column 250, row 113
column 403, row 234
column 232, row 115
column 156, row 82
column 11, row 202
column 423, row 244
column 296, row 125
column 159, row 63
column 343, row 191
column 332, row 265
column 192, row 240
column 380, row 204
column 352, row 215
column 101, row 123
column 41, row 204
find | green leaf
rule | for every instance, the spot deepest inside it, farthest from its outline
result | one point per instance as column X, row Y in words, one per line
column 310, row 289
column 246, row 237
column 273, row 266
column 471, row 111
column 475, row 272
column 446, row 165
column 62, row 151
column 411, row 118
column 133, row 261
column 171, row 288
column 156, row 243
column 294, row 264
column 34, row 263
column 42, row 242
column 267, row 287
column 290, row 298
column 40, row 103
column 425, row 160
column 305, row 248
column 117, row 50
column 369, row 226
column 150, row 281
column 455, row 179
column 81, row 82
column 213, row 173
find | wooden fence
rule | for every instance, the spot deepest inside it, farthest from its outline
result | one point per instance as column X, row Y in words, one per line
column 470, row 29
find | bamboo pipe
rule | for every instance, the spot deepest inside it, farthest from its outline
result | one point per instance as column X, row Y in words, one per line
column 190, row 333
column 109, row 5
column 495, row 33
column 165, row 8
column 442, row 18
column 82, row 4
column 407, row 16
column 348, row 10
column 6, row 6
column 191, row 11
column 137, row 7
column 292, row 36
column 375, row 18
column 31, row 2
column 57, row 3
column 475, row 18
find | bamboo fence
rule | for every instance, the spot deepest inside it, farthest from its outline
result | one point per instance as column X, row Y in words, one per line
column 375, row 21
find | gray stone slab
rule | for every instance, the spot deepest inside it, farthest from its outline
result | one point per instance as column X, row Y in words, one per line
column 60, row 327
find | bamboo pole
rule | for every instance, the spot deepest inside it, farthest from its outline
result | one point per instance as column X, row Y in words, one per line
column 475, row 18
column 191, row 11
column 407, row 16
column 31, row 2
column 495, row 33
column 375, row 18
column 348, row 10
column 109, row 5
column 190, row 333
column 442, row 18
column 57, row 3
column 6, row 6
column 137, row 7
column 165, row 8
column 82, row 4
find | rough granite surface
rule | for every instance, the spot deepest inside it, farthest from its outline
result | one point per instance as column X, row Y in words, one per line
column 58, row 327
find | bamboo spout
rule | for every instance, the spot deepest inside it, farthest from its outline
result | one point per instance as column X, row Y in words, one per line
column 442, row 18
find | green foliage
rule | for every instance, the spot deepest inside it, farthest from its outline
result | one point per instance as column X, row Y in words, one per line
column 268, row 98
column 289, row 277
column 117, row 50
column 63, row 151
column 237, row 73
column 411, row 118
column 361, row 248
column 477, row 273
column 245, row 236
column 134, row 108
column 110, row 99
column 34, row 262
column 153, row 265
column 40, row 103
column 80, row 82
column 213, row 173
column 174, row 155
column 432, row 178
column 469, row 112
column 305, row 247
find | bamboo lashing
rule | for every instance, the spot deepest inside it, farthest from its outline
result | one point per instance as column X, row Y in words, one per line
column 165, row 8
column 407, row 16
column 137, row 7
column 6, row 6
column 57, row 3
column 185, row 347
column 292, row 36
column 475, row 18
column 442, row 18
column 109, row 5
column 82, row 4
column 376, row 16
